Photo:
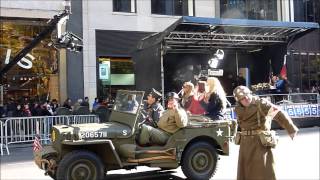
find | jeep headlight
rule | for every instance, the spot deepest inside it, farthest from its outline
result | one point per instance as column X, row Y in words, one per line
column 53, row 136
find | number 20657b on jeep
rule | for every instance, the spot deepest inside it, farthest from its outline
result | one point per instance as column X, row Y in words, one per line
column 88, row 151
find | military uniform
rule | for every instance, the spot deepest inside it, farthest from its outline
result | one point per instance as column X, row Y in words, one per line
column 256, row 160
column 170, row 122
column 154, row 112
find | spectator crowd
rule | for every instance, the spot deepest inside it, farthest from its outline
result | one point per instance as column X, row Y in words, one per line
column 26, row 107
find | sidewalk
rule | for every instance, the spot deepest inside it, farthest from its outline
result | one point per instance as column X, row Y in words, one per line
column 18, row 153
column 19, row 165
column 16, row 166
column 289, row 155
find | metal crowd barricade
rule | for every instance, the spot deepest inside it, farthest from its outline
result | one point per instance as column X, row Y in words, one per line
column 19, row 130
column 230, row 114
column 82, row 119
column 3, row 142
column 312, row 98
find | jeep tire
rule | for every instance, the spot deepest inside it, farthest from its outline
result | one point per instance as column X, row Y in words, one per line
column 199, row 161
column 80, row 165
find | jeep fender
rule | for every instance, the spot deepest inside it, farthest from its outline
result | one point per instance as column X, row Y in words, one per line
column 107, row 153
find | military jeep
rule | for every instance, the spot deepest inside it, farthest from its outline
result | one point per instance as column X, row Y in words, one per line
column 88, row 151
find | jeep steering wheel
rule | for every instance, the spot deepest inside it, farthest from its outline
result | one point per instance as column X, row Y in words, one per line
column 146, row 118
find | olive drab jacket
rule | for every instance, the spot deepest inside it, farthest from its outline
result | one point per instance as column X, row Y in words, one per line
column 172, row 120
column 255, row 160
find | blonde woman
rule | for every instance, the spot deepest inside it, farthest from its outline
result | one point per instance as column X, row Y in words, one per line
column 187, row 94
column 215, row 100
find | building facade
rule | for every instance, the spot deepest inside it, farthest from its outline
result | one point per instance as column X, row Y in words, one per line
column 41, row 73
column 113, row 28
column 107, row 42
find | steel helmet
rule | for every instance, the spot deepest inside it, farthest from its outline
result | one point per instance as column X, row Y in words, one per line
column 241, row 92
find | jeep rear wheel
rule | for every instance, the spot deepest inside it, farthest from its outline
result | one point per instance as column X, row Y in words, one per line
column 80, row 165
column 199, row 161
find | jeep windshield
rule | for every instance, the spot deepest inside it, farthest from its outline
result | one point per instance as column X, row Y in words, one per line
column 128, row 101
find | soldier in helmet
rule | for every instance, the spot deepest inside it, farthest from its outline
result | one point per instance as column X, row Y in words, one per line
column 170, row 121
column 254, row 117
column 153, row 108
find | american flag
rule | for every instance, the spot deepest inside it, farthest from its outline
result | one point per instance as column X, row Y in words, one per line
column 283, row 72
column 37, row 144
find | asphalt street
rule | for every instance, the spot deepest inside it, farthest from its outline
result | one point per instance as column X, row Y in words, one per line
column 298, row 160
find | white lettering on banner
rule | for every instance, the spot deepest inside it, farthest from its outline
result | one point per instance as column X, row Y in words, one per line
column 303, row 110
column 215, row 72
column 25, row 62
column 294, row 111
column 290, row 111
column 306, row 110
column 6, row 61
column 298, row 111
column 314, row 110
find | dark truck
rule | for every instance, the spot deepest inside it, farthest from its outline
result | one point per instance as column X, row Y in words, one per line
column 88, row 151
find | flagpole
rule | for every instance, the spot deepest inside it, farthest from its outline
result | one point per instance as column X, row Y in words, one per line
column 270, row 72
column 283, row 72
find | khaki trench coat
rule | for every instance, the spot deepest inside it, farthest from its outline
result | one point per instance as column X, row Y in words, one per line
column 256, row 161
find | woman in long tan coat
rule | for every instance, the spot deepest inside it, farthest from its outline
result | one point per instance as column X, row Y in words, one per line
column 254, row 115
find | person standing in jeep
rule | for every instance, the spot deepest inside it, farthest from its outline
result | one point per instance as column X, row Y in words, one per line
column 254, row 117
column 153, row 108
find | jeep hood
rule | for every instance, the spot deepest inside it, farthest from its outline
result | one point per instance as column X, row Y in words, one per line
column 107, row 130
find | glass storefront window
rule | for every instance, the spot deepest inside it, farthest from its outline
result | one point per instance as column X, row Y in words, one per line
column 124, row 6
column 114, row 74
column 306, row 72
column 36, row 75
column 170, row 7
column 307, row 10
column 249, row 9
column 313, row 72
column 296, row 75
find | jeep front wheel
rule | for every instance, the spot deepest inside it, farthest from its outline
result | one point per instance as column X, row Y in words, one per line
column 80, row 165
column 199, row 161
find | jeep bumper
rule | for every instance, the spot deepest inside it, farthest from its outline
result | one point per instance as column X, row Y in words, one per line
column 44, row 158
